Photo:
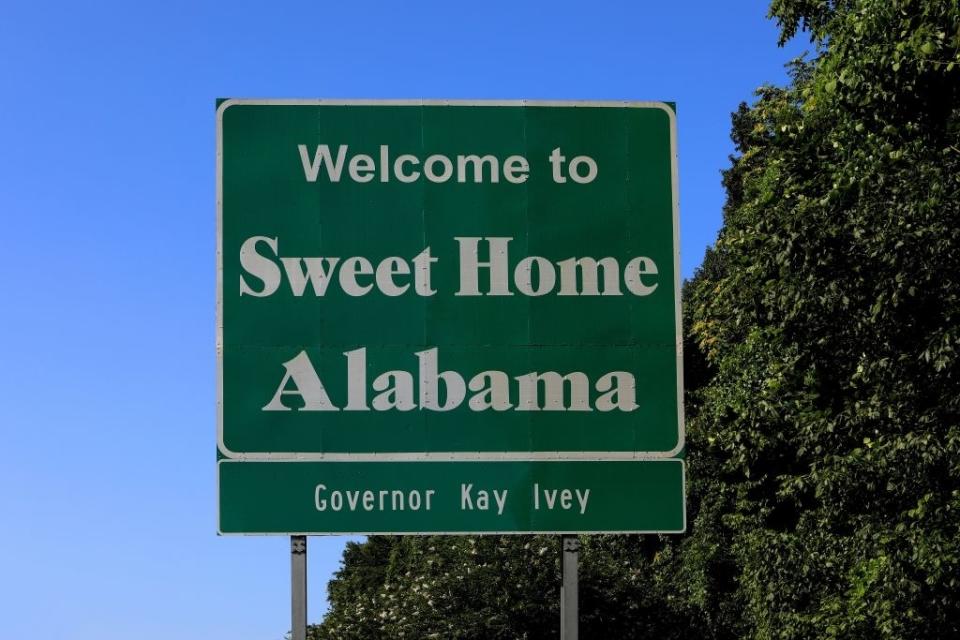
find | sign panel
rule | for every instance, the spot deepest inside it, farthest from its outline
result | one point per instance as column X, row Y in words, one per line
column 452, row 497
column 418, row 296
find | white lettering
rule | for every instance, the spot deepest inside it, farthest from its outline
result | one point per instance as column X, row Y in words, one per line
column 398, row 168
column 523, row 276
column 320, row 503
column 318, row 275
column 398, row 395
column 430, row 384
column 554, row 391
column 591, row 173
column 556, row 165
column 259, row 266
column 437, row 168
column 307, row 385
column 433, row 176
column 349, row 270
column 362, row 168
column 478, row 163
column 356, row 380
column 492, row 391
column 501, row 499
column 311, row 169
column 582, row 498
column 633, row 273
column 588, row 269
column 432, row 389
column 622, row 395
column 515, row 169
column 386, row 271
column 470, row 266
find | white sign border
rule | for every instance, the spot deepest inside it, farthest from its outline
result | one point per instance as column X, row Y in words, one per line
column 453, row 455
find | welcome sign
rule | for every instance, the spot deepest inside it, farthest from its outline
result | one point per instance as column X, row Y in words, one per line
column 448, row 317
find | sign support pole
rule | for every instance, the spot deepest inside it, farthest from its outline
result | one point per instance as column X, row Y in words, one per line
column 569, row 596
column 298, row 586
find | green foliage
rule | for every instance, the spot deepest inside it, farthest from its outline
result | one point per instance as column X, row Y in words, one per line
column 832, row 328
column 447, row 587
column 494, row 587
column 822, row 336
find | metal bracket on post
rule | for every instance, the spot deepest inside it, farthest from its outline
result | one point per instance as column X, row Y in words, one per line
column 569, row 596
column 298, row 586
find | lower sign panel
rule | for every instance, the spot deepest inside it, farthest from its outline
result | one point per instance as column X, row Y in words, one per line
column 288, row 498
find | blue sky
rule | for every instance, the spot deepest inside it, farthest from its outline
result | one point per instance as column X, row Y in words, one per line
column 107, row 393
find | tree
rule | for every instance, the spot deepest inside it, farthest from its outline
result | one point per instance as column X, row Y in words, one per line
column 445, row 587
column 496, row 587
column 832, row 328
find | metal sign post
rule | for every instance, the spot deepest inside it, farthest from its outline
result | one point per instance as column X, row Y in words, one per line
column 569, row 596
column 298, row 586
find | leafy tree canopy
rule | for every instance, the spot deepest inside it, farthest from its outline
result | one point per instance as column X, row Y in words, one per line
column 832, row 327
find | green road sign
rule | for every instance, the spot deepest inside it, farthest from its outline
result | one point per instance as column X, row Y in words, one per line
column 415, row 294
column 451, row 497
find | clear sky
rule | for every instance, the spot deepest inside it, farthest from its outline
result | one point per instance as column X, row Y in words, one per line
column 107, row 389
